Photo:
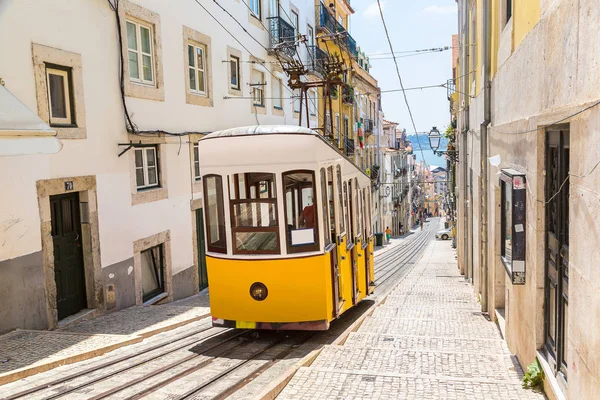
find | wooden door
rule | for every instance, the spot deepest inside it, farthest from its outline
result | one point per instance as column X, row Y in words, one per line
column 69, row 271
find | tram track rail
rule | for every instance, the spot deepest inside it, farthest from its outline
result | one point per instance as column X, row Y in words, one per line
column 110, row 363
column 225, row 366
column 395, row 260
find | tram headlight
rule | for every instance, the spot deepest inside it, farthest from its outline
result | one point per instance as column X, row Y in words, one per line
column 258, row 291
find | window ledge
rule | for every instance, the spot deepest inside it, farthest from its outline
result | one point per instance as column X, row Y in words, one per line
column 550, row 381
column 149, row 195
column 198, row 99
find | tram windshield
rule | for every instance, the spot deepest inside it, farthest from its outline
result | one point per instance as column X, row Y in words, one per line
column 300, row 211
column 253, row 202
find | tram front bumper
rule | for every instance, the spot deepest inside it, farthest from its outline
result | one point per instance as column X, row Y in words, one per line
column 321, row 325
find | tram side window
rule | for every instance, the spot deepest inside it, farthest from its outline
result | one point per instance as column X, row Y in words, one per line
column 342, row 203
column 359, row 209
column 347, row 214
column 300, row 211
column 215, row 216
column 331, row 198
column 254, row 213
column 365, row 215
column 324, row 204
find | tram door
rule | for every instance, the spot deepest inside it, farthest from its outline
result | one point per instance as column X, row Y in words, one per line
column 366, row 220
column 330, row 235
column 351, row 239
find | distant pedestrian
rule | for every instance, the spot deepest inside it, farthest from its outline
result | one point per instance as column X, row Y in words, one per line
column 388, row 233
column 401, row 230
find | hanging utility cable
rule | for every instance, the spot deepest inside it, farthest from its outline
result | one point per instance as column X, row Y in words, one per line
column 400, row 79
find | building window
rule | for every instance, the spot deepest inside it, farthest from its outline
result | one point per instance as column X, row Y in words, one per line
column 336, row 128
column 258, row 93
column 346, row 127
column 253, row 208
column 197, row 68
column 277, row 86
column 295, row 22
column 311, row 35
column 146, row 167
column 234, row 65
column 215, row 214
column 196, row 162
column 60, row 97
column 302, row 231
column 508, row 10
column 297, row 100
column 255, row 7
column 153, row 277
column 312, row 102
column 139, row 52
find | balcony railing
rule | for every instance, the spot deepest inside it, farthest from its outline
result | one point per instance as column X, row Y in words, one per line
column 351, row 45
column 327, row 21
column 349, row 146
column 347, row 94
column 316, row 60
column 367, row 124
column 451, row 86
column 283, row 36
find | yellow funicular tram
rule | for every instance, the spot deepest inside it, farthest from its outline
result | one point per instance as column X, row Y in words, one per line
column 288, row 228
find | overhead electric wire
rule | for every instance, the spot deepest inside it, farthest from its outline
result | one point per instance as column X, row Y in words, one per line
column 400, row 80
column 405, row 56
column 549, row 125
column 249, row 52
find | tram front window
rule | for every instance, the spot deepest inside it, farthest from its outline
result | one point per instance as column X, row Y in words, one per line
column 300, row 211
column 253, row 203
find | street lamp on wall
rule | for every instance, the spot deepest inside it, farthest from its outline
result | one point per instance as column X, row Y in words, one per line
column 434, row 142
column 434, row 139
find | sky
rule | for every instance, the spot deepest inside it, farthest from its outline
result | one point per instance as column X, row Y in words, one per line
column 412, row 24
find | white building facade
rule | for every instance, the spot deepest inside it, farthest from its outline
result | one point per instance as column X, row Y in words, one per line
column 114, row 218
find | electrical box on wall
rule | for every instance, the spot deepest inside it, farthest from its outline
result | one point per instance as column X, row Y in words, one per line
column 513, row 224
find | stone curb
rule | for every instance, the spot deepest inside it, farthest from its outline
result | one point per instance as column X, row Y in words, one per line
column 25, row 372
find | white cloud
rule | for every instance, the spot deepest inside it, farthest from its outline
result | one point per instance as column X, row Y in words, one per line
column 372, row 10
column 441, row 9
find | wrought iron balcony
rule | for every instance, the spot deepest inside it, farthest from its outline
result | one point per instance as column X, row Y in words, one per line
column 316, row 60
column 367, row 124
column 351, row 45
column 451, row 87
column 328, row 22
column 349, row 146
column 283, row 36
column 347, row 94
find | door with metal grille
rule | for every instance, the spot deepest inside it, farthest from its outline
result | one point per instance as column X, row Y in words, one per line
column 557, row 249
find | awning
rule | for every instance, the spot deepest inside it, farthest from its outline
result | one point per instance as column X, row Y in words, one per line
column 22, row 132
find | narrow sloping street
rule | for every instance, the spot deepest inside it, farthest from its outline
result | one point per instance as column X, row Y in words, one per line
column 427, row 340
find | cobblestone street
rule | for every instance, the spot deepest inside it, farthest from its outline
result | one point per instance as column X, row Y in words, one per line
column 427, row 340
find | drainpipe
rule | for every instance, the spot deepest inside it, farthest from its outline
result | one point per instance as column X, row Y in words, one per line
column 484, row 154
column 466, row 77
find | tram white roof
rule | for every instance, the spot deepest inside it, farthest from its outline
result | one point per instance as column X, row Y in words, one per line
column 261, row 130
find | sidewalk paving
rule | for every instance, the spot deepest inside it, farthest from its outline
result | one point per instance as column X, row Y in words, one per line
column 27, row 352
column 427, row 340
